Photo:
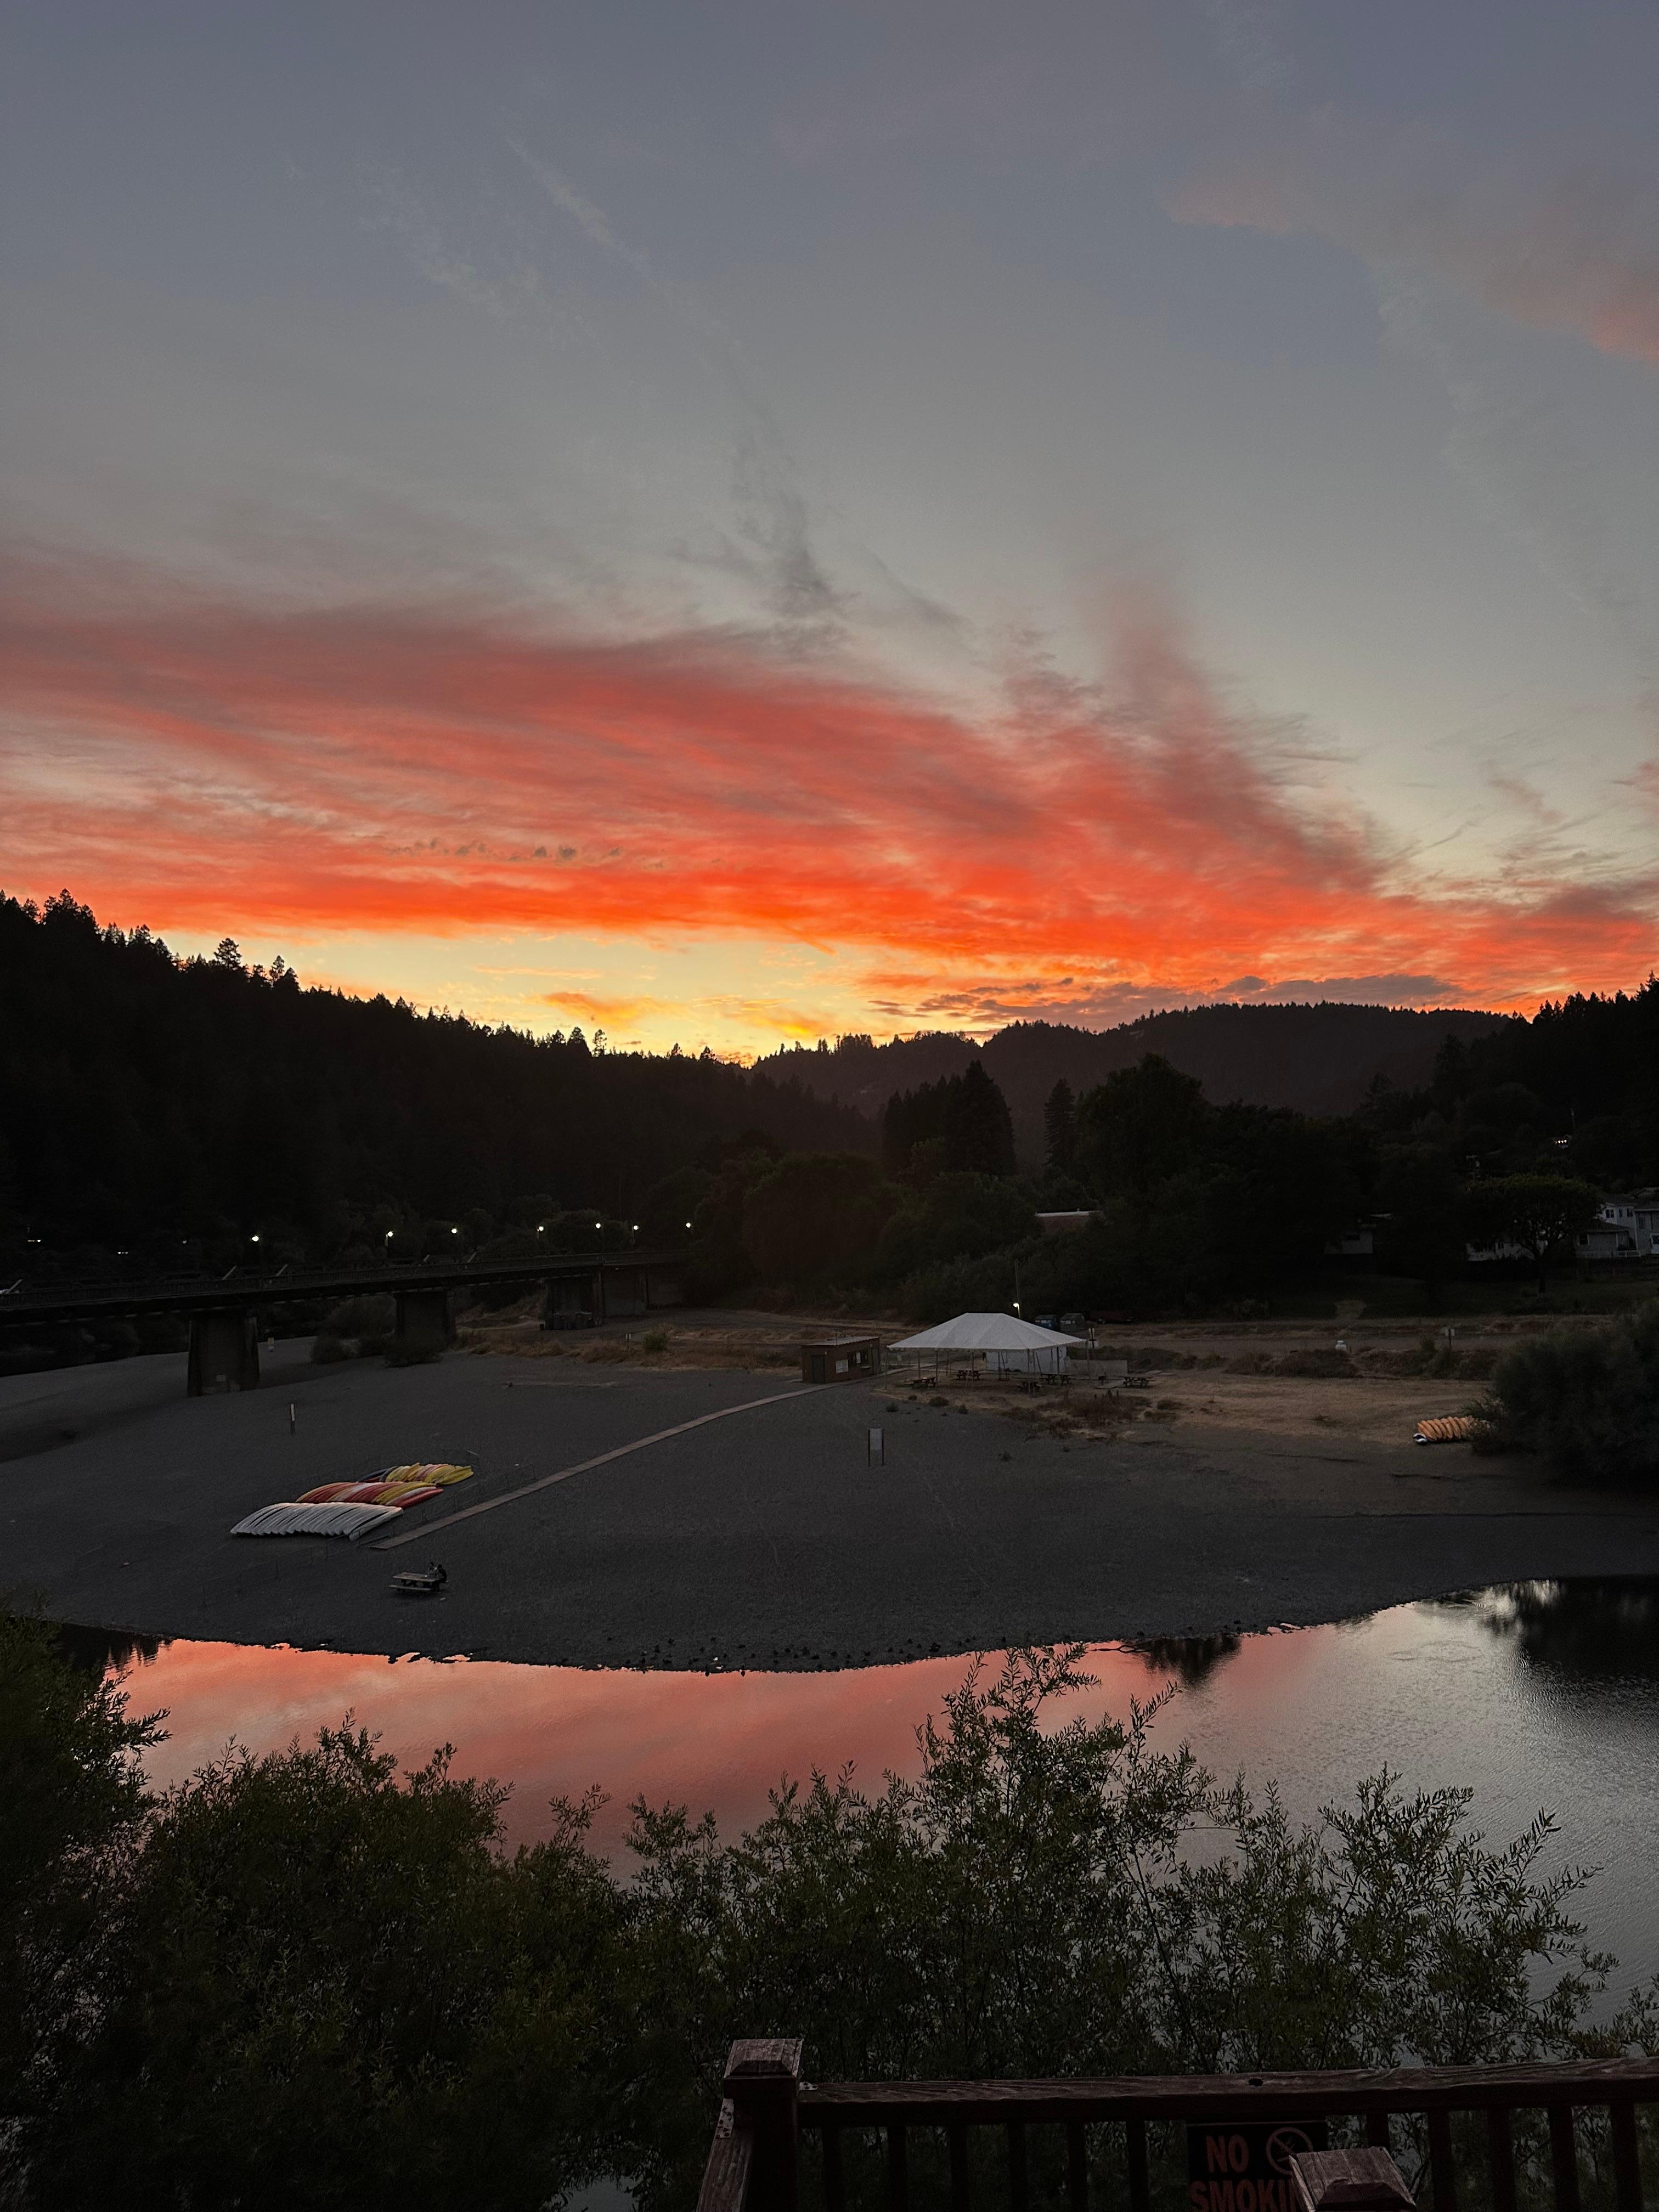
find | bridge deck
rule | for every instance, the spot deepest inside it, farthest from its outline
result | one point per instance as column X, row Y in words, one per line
column 57, row 1304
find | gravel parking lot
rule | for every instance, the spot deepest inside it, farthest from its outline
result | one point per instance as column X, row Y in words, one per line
column 761, row 1541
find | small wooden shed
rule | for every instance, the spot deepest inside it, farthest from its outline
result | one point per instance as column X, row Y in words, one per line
column 840, row 1359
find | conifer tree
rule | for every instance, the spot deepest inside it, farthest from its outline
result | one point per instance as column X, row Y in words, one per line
column 1060, row 1126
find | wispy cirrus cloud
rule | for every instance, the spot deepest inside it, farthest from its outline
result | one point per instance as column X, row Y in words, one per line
column 453, row 769
column 1577, row 253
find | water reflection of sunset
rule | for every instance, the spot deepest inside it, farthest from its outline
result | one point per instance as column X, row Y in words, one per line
column 1312, row 1707
column 708, row 1740
column 1489, row 1690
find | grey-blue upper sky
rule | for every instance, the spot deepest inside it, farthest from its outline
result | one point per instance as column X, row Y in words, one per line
column 922, row 337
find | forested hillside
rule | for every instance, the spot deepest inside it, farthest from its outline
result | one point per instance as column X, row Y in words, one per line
column 1316, row 1059
column 146, row 1103
column 174, row 1111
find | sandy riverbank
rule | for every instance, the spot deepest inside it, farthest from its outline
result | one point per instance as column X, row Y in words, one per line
column 1392, row 1373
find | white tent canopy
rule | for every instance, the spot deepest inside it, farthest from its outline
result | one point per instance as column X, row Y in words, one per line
column 1005, row 1340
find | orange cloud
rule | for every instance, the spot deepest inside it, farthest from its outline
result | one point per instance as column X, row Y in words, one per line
column 208, row 766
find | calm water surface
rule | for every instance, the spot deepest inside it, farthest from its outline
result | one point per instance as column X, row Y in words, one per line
column 1543, row 1695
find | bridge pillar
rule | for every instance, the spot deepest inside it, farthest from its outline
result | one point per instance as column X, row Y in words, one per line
column 566, row 1296
column 624, row 1290
column 665, row 1286
column 224, row 1353
column 425, row 1323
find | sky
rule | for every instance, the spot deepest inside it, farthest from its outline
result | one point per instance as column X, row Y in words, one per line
column 729, row 523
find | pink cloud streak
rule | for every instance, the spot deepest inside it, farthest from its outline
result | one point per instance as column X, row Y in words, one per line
column 205, row 765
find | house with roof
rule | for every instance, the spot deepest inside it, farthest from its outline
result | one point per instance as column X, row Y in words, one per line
column 1627, row 1227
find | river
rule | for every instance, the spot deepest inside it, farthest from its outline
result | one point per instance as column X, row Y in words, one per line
column 1536, row 1696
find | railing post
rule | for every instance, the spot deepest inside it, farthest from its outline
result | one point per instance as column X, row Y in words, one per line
column 956, row 2137
column 762, row 2080
column 1626, row 2161
column 1076, row 2168
column 1501, row 2144
column 1564, row 2158
column 1443, row 2170
column 1135, row 2152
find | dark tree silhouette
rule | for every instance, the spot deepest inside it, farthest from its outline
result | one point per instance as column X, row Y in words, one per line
column 964, row 1118
column 1060, row 1126
column 168, row 1108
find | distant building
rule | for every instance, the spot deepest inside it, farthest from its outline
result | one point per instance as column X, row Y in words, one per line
column 1359, row 1243
column 1061, row 1225
column 1626, row 1228
column 840, row 1359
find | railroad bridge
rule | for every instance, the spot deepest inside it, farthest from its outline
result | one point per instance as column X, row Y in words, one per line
column 223, row 1312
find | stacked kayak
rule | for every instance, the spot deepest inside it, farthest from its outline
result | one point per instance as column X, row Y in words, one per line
column 331, row 1518
column 352, row 1509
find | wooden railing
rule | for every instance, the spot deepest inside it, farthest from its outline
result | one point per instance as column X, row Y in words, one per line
column 753, row 2164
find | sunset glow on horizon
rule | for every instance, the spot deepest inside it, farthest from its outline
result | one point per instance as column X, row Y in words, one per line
column 736, row 534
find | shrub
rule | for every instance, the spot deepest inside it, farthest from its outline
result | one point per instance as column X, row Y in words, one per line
column 74, row 1797
column 1587, row 1403
column 1100, row 1409
column 654, row 1340
column 341, row 1956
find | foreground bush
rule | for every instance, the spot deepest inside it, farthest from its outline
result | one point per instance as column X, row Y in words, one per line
column 1587, row 1402
column 307, row 1980
column 1034, row 1904
column 71, row 1796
